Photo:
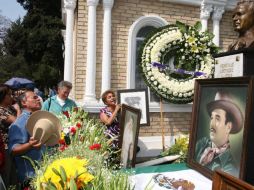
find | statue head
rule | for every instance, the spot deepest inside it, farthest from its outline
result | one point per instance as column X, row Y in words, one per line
column 243, row 16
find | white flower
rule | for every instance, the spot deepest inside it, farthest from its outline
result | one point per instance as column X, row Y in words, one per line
column 162, row 82
column 66, row 130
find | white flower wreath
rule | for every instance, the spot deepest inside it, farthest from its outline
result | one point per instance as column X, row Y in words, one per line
column 188, row 51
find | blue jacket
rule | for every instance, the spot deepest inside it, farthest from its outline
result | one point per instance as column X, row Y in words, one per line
column 53, row 106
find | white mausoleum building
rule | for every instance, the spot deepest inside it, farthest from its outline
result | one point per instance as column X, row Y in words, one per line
column 101, row 45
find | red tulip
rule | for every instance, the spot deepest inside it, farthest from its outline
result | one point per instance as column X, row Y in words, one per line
column 95, row 147
column 73, row 130
column 78, row 125
column 66, row 113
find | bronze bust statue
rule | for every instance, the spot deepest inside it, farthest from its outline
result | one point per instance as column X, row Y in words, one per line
column 243, row 21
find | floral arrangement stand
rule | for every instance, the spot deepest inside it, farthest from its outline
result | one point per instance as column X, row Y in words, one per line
column 174, row 57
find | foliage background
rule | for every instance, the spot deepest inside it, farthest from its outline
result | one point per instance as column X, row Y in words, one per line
column 33, row 47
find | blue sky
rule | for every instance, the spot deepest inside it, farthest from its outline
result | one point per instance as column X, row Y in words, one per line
column 11, row 9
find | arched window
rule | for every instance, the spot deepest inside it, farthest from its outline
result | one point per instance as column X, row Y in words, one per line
column 139, row 81
column 138, row 31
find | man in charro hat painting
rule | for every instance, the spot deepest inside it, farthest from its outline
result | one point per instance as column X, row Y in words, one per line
column 243, row 22
column 226, row 119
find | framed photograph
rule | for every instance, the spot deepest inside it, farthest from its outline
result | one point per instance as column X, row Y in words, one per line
column 129, row 130
column 219, row 137
column 222, row 180
column 137, row 98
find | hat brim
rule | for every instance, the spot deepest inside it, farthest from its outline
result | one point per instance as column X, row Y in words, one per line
column 53, row 139
column 231, row 109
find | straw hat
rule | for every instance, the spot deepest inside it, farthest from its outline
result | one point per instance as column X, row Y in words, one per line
column 224, row 101
column 45, row 127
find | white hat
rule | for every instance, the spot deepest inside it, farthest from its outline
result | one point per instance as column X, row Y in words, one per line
column 44, row 127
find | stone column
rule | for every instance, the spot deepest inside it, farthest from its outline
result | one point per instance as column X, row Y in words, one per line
column 217, row 15
column 205, row 11
column 69, row 5
column 91, row 52
column 106, row 55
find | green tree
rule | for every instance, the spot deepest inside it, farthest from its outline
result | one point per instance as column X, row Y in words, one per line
column 33, row 47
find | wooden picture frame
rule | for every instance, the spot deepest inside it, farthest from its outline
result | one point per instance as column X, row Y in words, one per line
column 222, row 180
column 137, row 98
column 235, row 95
column 129, row 131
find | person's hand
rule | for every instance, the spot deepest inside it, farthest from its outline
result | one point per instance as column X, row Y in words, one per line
column 34, row 143
column 118, row 107
column 17, row 108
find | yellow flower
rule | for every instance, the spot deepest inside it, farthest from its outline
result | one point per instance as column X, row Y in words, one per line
column 72, row 167
column 191, row 40
column 194, row 49
column 62, row 136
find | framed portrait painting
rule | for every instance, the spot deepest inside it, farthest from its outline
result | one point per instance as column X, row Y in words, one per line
column 129, row 130
column 219, row 137
column 137, row 98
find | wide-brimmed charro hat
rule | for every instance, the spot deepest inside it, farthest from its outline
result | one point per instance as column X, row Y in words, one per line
column 224, row 101
column 44, row 127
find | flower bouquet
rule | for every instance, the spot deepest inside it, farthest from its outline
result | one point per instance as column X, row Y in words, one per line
column 78, row 167
column 82, row 160
column 179, row 148
column 79, row 128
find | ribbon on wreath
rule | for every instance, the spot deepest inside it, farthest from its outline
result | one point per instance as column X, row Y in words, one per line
column 162, row 67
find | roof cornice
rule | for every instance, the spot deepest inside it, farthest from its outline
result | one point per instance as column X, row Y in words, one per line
column 228, row 4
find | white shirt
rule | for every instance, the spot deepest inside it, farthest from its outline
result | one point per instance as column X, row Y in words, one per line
column 60, row 101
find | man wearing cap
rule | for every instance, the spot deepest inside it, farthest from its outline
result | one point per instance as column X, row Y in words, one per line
column 20, row 143
column 60, row 102
column 226, row 119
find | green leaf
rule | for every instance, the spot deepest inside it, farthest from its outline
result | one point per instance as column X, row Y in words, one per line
column 56, row 172
column 33, row 162
column 182, row 27
column 50, row 186
column 198, row 26
column 63, row 174
column 77, row 175
column 61, row 183
column 73, row 185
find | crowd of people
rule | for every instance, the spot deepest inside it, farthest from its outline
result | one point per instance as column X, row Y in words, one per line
column 16, row 107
